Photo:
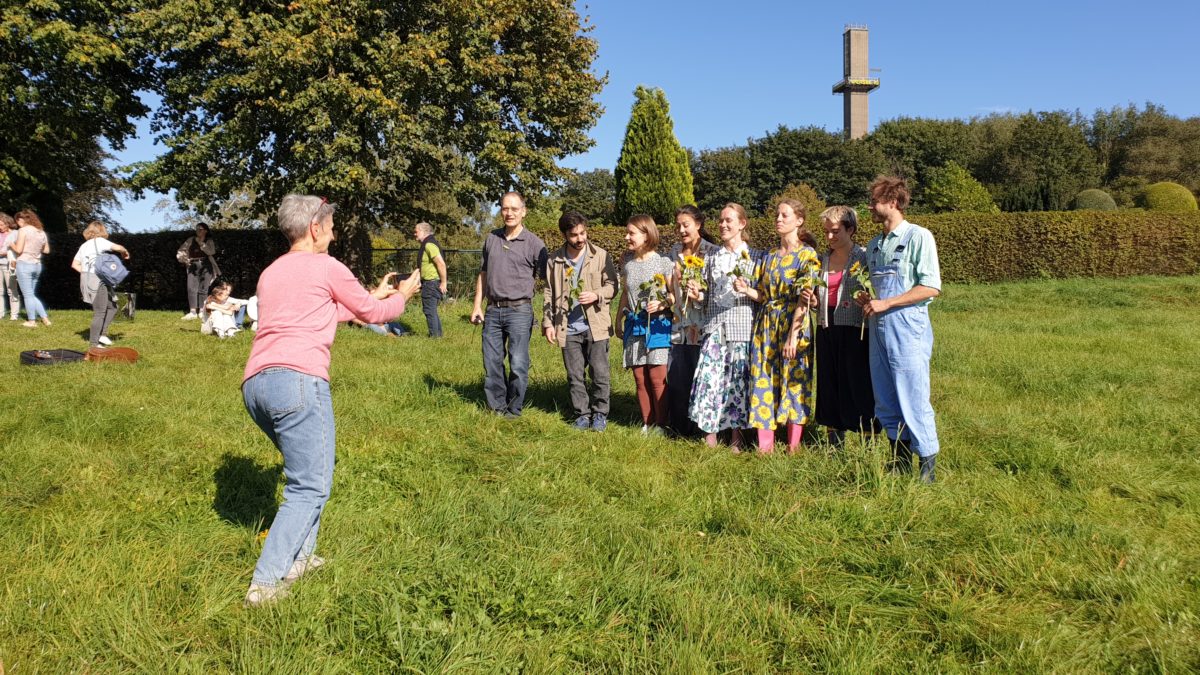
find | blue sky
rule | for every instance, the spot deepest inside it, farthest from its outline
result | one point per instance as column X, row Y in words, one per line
column 737, row 70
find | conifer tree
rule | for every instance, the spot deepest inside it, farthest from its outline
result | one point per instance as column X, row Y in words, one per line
column 652, row 175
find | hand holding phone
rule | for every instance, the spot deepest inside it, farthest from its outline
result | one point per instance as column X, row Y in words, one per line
column 409, row 285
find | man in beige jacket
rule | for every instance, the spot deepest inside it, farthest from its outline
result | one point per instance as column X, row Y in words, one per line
column 581, row 280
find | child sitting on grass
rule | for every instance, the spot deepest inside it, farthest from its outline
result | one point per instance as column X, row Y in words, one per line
column 221, row 310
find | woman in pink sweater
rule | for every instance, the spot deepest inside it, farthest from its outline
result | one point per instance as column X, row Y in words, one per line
column 302, row 297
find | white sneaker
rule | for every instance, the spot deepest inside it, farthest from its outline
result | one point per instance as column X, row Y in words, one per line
column 301, row 567
column 645, row 430
column 254, row 327
column 189, row 316
column 258, row 595
column 104, row 340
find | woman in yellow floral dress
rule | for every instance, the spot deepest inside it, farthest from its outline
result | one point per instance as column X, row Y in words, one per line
column 780, row 370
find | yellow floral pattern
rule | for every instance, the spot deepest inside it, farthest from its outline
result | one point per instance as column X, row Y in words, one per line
column 782, row 387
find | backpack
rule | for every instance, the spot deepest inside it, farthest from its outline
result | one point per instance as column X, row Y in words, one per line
column 110, row 269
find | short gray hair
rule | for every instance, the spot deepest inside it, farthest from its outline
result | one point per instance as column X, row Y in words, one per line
column 424, row 227
column 297, row 211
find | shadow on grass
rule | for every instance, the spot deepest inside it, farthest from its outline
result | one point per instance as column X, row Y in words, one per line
column 86, row 334
column 246, row 491
column 554, row 399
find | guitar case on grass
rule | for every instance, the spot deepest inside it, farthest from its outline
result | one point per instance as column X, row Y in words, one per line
column 112, row 355
column 50, row 357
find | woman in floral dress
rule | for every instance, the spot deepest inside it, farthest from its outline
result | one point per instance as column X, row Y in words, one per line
column 780, row 359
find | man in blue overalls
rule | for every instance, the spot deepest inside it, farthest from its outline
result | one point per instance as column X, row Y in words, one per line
column 906, row 277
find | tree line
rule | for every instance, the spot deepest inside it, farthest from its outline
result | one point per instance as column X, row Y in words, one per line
column 1033, row 161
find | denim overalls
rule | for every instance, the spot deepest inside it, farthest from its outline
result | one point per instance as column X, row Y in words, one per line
column 901, row 343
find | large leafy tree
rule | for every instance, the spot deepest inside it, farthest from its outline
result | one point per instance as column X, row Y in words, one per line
column 1045, row 163
column 69, row 79
column 1161, row 147
column 372, row 103
column 591, row 193
column 652, row 176
column 722, row 176
column 839, row 170
column 915, row 146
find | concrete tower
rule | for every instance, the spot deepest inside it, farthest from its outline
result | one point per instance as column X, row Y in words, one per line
column 856, row 82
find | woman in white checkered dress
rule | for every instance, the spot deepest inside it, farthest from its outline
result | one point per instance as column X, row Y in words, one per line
column 721, row 389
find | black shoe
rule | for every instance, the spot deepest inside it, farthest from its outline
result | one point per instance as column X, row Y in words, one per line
column 928, row 466
column 837, row 438
column 901, row 461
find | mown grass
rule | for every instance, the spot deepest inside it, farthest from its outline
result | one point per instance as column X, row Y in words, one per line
column 1064, row 534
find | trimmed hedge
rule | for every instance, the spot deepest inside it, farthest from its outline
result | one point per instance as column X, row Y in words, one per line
column 1167, row 196
column 987, row 247
column 159, row 280
column 973, row 247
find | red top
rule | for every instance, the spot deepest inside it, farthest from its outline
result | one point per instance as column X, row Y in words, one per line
column 301, row 298
column 835, row 281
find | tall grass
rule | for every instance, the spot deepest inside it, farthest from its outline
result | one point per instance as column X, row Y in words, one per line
column 1064, row 533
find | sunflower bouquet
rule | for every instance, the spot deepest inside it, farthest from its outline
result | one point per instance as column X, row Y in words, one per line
column 692, row 270
column 653, row 290
column 862, row 275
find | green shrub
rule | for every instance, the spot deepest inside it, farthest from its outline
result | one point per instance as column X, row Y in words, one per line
column 653, row 175
column 975, row 247
column 953, row 188
column 1093, row 200
column 1166, row 196
column 803, row 193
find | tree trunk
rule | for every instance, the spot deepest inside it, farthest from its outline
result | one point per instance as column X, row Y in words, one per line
column 352, row 245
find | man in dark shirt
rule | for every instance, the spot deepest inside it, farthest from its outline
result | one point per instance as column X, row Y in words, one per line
column 513, row 258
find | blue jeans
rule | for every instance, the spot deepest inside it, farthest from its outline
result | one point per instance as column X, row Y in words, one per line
column 391, row 327
column 431, row 294
column 9, row 290
column 27, row 278
column 506, row 332
column 295, row 411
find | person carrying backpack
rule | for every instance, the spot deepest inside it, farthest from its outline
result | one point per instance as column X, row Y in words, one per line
column 102, row 298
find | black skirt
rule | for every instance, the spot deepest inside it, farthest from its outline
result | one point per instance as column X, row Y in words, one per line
column 844, row 397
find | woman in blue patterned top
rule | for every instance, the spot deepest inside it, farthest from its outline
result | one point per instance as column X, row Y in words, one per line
column 686, row 337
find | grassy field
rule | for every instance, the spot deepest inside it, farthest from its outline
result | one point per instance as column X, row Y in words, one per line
column 1063, row 535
